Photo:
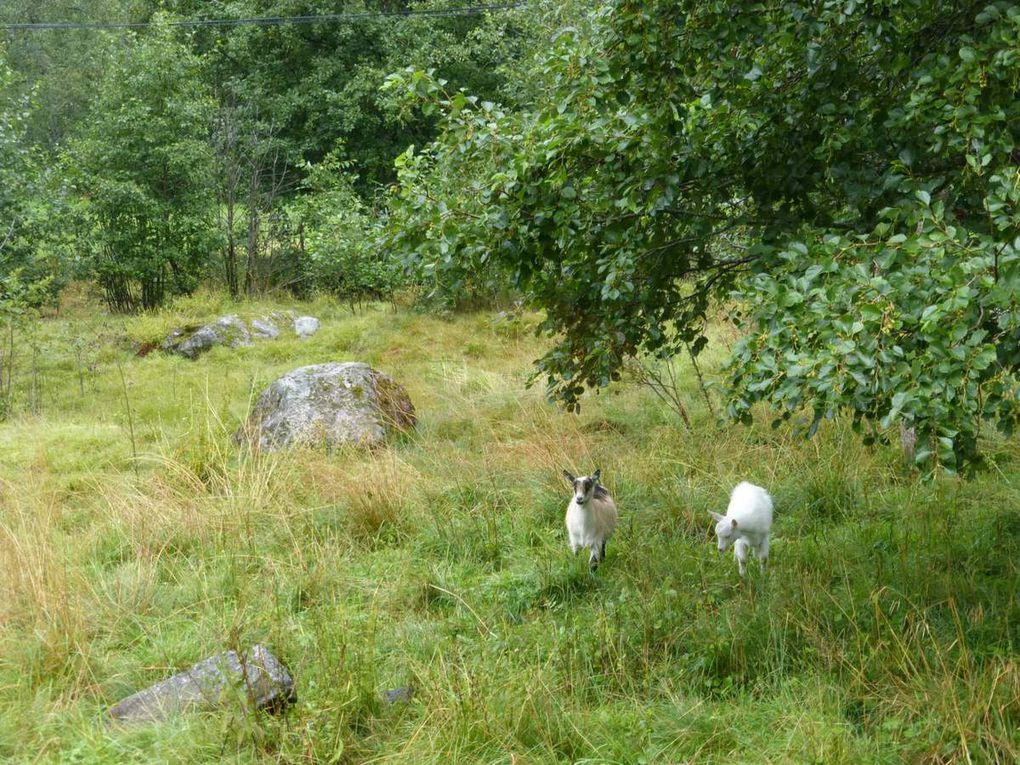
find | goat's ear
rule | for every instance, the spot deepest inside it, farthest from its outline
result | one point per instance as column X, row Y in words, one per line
column 569, row 476
column 596, row 475
column 734, row 522
column 716, row 516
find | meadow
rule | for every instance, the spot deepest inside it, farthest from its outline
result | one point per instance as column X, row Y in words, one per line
column 136, row 539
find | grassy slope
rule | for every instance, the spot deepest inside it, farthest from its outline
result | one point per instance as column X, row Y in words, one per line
column 886, row 631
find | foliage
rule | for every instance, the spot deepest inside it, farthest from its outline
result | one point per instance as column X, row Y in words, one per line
column 289, row 94
column 17, row 174
column 921, row 329
column 285, row 96
column 678, row 146
column 19, row 300
column 435, row 204
column 143, row 167
column 340, row 245
column 13, row 168
column 319, row 83
column 59, row 72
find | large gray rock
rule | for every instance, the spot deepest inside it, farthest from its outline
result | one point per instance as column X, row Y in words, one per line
column 328, row 405
column 305, row 326
column 256, row 678
column 191, row 342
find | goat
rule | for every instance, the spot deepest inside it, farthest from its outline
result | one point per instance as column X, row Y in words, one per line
column 746, row 524
column 591, row 516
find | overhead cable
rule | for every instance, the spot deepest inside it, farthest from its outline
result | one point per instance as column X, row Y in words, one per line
column 266, row 21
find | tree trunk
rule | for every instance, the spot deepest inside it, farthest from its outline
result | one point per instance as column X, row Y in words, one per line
column 908, row 443
column 253, row 250
column 230, row 257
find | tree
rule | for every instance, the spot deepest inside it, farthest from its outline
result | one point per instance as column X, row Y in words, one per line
column 16, row 172
column 143, row 166
column 60, row 70
column 339, row 239
column 27, row 204
column 849, row 169
column 290, row 94
column 318, row 84
column 253, row 177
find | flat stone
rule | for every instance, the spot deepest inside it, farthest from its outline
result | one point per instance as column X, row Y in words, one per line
column 265, row 328
column 306, row 326
column 329, row 405
column 255, row 679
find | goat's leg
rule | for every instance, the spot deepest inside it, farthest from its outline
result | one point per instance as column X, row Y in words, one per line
column 594, row 560
column 740, row 553
column 602, row 553
column 762, row 552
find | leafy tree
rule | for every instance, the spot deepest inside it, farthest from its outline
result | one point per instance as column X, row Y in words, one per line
column 254, row 177
column 25, row 205
column 24, row 282
column 850, row 169
column 16, row 172
column 318, row 84
column 143, row 166
column 439, row 214
column 286, row 97
column 59, row 70
column 289, row 94
column 340, row 243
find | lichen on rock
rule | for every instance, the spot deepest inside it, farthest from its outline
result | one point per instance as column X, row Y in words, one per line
column 328, row 405
column 192, row 341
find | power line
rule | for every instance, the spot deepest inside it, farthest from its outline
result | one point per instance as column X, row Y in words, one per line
column 266, row 21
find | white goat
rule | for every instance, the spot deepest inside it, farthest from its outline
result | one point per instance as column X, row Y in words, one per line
column 591, row 516
column 746, row 524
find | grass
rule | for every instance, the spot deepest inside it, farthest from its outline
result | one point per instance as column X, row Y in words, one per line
column 135, row 539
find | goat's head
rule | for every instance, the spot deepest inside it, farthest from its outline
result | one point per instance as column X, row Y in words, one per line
column 725, row 530
column 584, row 486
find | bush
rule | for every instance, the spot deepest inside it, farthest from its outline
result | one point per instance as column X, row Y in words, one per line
column 342, row 253
column 142, row 170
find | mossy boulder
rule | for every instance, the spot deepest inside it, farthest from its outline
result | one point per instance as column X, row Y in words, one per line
column 328, row 405
column 193, row 341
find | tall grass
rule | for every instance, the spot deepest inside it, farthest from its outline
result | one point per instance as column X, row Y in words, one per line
column 885, row 631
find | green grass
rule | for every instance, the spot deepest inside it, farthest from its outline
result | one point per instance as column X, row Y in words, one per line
column 885, row 632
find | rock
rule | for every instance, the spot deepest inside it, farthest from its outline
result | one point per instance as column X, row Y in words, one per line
column 265, row 328
column 257, row 678
column 306, row 326
column 191, row 342
column 398, row 695
column 328, row 405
